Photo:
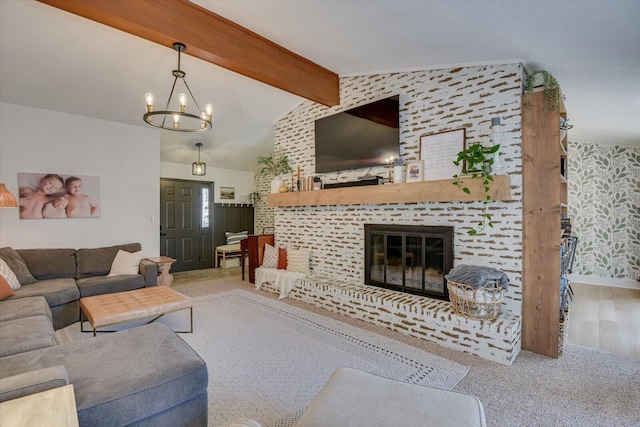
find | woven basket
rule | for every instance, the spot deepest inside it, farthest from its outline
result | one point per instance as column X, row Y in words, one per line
column 479, row 304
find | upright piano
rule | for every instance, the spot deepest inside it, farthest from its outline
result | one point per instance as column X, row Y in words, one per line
column 254, row 247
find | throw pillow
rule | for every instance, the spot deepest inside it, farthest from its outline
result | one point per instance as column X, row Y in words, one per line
column 5, row 289
column 17, row 265
column 125, row 263
column 282, row 259
column 8, row 275
column 298, row 260
column 233, row 238
column 270, row 257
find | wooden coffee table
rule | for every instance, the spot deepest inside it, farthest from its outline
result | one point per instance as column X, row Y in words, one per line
column 122, row 307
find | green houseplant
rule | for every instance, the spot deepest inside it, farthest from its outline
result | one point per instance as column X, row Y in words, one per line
column 475, row 162
column 542, row 78
column 273, row 165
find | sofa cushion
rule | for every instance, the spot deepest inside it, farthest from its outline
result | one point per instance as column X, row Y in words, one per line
column 50, row 263
column 234, row 238
column 123, row 377
column 17, row 265
column 56, row 291
column 32, row 382
column 26, row 334
column 97, row 262
column 125, row 263
column 7, row 274
column 270, row 257
column 282, row 259
column 298, row 260
column 19, row 308
column 108, row 284
column 5, row 289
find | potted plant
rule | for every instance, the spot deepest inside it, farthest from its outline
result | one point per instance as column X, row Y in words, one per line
column 544, row 79
column 253, row 197
column 273, row 165
column 475, row 162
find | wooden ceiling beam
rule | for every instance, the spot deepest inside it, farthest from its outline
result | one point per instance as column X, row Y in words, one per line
column 214, row 39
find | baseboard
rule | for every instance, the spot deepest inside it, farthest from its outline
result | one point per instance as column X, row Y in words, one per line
column 604, row 281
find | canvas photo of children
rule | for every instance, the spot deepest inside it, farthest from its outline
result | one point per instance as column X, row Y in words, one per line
column 51, row 195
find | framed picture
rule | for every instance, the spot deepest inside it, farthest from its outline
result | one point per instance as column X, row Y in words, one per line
column 51, row 195
column 415, row 170
column 227, row 193
column 439, row 150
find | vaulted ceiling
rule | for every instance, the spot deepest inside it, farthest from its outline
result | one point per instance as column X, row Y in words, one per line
column 56, row 60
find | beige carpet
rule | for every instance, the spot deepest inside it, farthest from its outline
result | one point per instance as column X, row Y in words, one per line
column 267, row 360
column 583, row 387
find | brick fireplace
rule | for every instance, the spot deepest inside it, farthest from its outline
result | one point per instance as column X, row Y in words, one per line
column 431, row 101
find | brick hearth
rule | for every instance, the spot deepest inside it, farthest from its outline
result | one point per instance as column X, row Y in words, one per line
column 414, row 315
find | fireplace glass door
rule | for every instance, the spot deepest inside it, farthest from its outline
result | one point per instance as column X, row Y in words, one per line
column 411, row 259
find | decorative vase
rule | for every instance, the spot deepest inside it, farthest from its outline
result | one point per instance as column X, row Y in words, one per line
column 398, row 174
column 497, row 168
column 275, row 184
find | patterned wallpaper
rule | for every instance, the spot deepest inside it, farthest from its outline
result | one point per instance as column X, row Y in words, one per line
column 431, row 101
column 604, row 203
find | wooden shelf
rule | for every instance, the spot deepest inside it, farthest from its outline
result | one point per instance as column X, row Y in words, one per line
column 411, row 192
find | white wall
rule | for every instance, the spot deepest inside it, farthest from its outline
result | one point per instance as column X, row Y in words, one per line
column 240, row 180
column 125, row 157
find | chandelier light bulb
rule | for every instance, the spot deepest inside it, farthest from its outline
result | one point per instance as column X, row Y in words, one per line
column 176, row 121
column 149, row 99
column 182, row 99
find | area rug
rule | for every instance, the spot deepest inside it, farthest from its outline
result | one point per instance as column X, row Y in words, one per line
column 267, row 360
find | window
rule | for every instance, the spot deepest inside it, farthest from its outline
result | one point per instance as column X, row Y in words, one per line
column 204, row 202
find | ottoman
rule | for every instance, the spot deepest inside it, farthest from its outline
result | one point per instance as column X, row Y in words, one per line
column 353, row 398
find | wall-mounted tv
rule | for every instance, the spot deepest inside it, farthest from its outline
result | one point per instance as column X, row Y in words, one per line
column 361, row 137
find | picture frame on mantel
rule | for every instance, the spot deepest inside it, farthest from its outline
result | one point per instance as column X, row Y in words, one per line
column 415, row 171
column 439, row 150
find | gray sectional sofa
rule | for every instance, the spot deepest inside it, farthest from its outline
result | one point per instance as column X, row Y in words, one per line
column 143, row 376
column 63, row 276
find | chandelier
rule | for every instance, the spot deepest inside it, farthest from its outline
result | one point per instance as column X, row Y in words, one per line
column 198, row 168
column 180, row 120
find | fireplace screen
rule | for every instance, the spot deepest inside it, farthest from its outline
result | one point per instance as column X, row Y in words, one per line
column 411, row 259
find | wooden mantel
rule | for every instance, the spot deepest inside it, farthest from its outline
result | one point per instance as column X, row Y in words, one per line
column 412, row 192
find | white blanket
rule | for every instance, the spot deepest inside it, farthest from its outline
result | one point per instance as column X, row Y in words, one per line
column 284, row 280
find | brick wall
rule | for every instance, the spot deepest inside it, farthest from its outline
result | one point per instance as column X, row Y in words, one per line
column 431, row 101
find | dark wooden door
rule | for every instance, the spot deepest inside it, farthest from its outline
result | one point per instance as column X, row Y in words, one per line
column 186, row 223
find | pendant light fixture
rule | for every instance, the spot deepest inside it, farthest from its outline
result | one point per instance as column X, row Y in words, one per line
column 7, row 200
column 179, row 120
column 198, row 168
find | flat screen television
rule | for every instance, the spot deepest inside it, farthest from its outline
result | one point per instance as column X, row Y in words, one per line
column 361, row 137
